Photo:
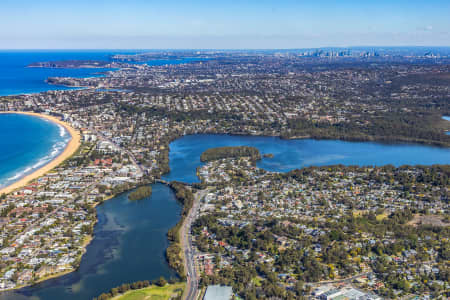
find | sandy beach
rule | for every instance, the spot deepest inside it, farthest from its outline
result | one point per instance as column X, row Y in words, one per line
column 70, row 149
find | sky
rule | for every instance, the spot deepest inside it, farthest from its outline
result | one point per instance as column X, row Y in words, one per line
column 201, row 24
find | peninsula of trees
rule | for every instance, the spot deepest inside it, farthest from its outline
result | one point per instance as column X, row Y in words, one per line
column 230, row 152
column 174, row 252
column 71, row 64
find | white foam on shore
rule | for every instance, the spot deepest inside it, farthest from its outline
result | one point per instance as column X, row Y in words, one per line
column 56, row 150
column 62, row 130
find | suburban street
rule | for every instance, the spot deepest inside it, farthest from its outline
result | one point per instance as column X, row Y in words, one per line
column 102, row 137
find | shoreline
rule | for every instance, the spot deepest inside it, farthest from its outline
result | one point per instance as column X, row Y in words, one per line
column 369, row 139
column 71, row 147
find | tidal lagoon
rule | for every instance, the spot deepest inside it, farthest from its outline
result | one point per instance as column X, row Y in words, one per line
column 129, row 245
column 293, row 154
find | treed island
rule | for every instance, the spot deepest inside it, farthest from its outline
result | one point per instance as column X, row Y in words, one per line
column 141, row 193
column 230, row 152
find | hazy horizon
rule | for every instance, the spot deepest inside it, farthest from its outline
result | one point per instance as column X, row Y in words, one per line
column 200, row 24
column 228, row 49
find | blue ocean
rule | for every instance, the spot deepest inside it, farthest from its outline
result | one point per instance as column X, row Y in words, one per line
column 16, row 78
column 27, row 143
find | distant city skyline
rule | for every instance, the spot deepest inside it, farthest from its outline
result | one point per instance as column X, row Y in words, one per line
column 200, row 24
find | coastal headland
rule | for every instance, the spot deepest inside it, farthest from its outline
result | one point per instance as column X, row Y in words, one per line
column 68, row 151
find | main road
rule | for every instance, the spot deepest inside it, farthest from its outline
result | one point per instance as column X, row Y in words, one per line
column 191, row 291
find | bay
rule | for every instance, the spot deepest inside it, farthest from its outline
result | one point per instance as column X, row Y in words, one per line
column 16, row 78
column 26, row 144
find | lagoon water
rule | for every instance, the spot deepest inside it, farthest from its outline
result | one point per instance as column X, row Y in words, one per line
column 130, row 237
column 292, row 154
column 129, row 245
column 26, row 144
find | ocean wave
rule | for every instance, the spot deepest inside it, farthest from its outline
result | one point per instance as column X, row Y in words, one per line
column 17, row 176
column 28, row 170
column 62, row 130
column 56, row 149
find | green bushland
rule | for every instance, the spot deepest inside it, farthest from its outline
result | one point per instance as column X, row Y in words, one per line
column 421, row 126
column 174, row 252
column 230, row 152
column 140, row 193
column 384, row 127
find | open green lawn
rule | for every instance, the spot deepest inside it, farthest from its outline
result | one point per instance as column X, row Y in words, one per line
column 152, row 293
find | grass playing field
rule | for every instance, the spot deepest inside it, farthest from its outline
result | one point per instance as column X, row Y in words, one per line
column 153, row 293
